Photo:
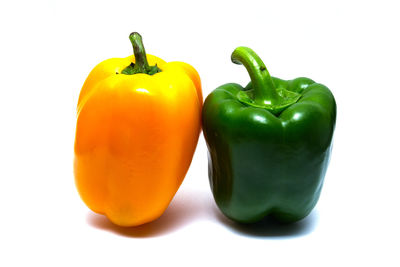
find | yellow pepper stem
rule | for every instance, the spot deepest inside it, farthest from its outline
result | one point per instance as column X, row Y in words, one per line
column 141, row 65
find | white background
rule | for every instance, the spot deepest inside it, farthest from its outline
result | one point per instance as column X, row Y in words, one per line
column 49, row 47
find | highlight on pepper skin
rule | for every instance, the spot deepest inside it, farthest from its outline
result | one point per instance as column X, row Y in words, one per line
column 138, row 123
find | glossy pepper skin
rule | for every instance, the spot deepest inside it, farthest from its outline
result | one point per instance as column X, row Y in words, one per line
column 138, row 122
column 269, row 143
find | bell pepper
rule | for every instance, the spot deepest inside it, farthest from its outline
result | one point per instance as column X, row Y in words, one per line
column 269, row 143
column 138, row 123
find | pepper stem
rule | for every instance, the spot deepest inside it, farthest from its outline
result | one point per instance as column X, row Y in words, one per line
column 264, row 89
column 141, row 64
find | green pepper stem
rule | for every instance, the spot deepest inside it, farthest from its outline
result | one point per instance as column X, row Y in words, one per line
column 264, row 89
column 141, row 64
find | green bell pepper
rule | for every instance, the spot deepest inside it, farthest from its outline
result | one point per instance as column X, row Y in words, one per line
column 269, row 143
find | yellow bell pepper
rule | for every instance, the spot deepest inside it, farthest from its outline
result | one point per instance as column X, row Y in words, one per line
column 138, row 123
